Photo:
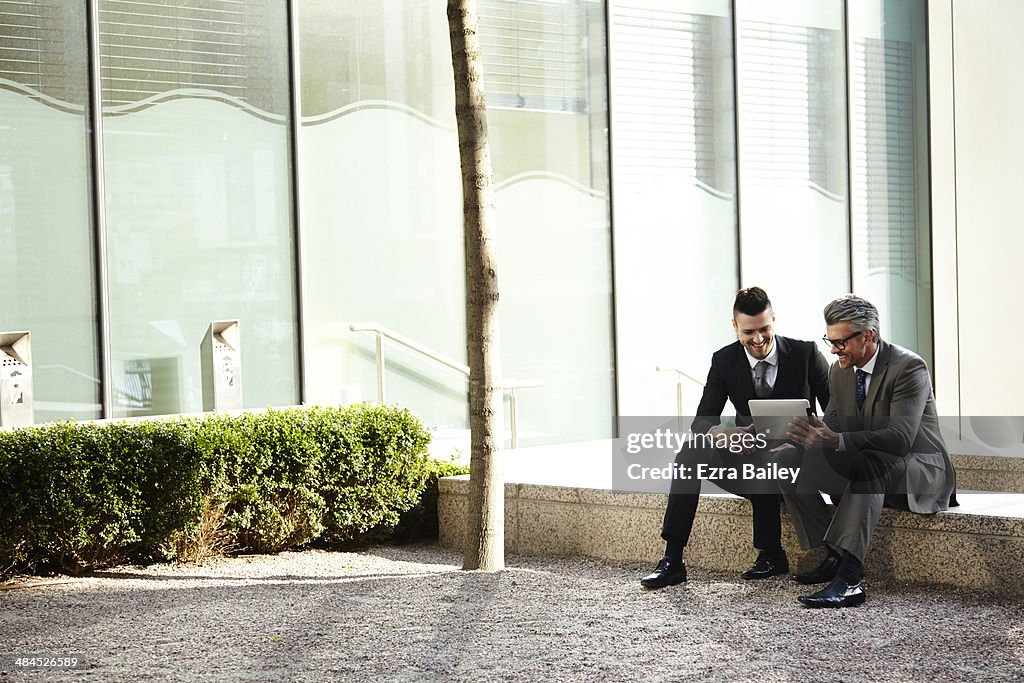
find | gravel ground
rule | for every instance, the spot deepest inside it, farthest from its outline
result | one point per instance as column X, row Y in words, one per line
column 410, row 614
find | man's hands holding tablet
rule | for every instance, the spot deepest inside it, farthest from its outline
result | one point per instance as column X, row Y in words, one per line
column 744, row 446
column 811, row 432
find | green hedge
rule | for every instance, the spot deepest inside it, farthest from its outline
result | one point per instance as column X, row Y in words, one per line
column 420, row 522
column 76, row 495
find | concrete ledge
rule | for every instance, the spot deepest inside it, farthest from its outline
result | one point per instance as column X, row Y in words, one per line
column 979, row 545
column 989, row 473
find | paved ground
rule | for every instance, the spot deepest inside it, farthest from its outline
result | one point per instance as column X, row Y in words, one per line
column 409, row 614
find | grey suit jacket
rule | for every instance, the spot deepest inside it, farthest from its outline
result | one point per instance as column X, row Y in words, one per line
column 899, row 418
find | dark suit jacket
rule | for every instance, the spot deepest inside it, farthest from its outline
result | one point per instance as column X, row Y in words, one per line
column 802, row 373
column 899, row 418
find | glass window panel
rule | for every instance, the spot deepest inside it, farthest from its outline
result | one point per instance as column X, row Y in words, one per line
column 986, row 51
column 46, row 249
column 792, row 152
column 382, row 210
column 547, row 122
column 373, row 55
column 381, row 203
column 196, row 158
column 675, row 202
column 533, row 55
column 889, row 166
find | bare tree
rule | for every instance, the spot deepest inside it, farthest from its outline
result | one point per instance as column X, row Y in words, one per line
column 485, row 532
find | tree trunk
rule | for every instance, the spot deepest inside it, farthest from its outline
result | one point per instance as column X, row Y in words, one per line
column 485, row 531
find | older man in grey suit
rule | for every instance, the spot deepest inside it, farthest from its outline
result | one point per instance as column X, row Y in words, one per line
column 879, row 444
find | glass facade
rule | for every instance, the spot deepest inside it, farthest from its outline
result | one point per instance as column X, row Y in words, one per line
column 46, row 245
column 742, row 138
column 198, row 219
column 544, row 67
column 792, row 151
column 673, row 119
column 891, row 227
column 382, row 210
column 381, row 202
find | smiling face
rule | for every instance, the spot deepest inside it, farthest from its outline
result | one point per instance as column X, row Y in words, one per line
column 856, row 351
column 755, row 332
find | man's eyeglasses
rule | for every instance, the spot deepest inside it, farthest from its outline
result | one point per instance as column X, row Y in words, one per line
column 840, row 344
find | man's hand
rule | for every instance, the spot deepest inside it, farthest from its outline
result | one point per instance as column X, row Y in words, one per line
column 811, row 432
column 747, row 445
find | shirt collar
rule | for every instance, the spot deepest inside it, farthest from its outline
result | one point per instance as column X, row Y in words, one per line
column 869, row 367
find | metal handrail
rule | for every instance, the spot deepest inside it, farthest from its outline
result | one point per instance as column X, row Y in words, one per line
column 507, row 384
column 380, row 330
column 679, row 386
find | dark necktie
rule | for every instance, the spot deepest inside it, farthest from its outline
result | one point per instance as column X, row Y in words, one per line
column 761, row 388
column 862, row 392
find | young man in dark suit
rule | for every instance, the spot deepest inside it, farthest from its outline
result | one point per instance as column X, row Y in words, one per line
column 878, row 445
column 759, row 364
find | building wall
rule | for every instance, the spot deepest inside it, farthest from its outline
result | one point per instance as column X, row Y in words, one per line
column 778, row 144
column 978, row 147
column 804, row 146
column 177, row 208
column 380, row 199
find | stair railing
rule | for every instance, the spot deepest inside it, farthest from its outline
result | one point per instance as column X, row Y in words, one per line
column 508, row 384
column 680, row 375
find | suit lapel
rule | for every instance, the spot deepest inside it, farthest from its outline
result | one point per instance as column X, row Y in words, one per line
column 846, row 382
column 877, row 377
column 744, row 377
column 781, row 378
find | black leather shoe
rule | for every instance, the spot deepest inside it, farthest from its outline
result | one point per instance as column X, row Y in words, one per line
column 766, row 565
column 837, row 594
column 825, row 572
column 667, row 573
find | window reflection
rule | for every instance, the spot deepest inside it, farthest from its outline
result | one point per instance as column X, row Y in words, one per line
column 196, row 161
column 45, row 201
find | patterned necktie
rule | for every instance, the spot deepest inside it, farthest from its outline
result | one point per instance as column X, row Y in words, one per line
column 761, row 388
column 862, row 392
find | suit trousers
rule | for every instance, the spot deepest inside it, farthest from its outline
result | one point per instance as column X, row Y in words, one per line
column 866, row 482
column 684, row 494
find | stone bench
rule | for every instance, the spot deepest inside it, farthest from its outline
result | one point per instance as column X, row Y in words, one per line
column 978, row 546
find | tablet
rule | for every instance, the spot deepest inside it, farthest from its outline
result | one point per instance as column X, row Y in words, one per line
column 771, row 415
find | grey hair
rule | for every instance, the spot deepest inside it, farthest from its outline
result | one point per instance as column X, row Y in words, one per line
column 860, row 313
